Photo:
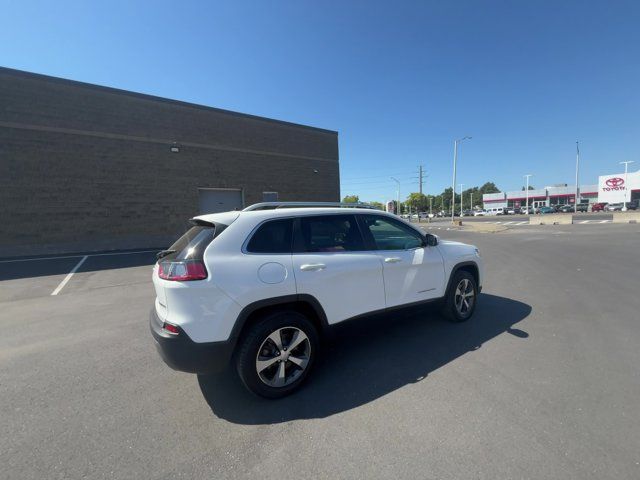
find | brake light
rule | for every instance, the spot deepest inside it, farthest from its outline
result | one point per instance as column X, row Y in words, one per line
column 183, row 270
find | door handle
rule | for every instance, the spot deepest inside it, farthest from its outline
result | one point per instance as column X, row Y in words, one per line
column 308, row 267
column 392, row 260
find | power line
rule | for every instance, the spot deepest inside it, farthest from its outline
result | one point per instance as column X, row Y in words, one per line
column 375, row 187
column 381, row 182
column 379, row 176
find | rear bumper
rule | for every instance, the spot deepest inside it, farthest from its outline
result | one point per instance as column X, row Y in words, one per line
column 183, row 354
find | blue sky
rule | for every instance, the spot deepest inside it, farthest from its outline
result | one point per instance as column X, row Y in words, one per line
column 398, row 80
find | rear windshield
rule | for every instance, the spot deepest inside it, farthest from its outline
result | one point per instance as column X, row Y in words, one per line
column 192, row 244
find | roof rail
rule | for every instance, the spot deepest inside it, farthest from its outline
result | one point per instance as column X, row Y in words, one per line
column 275, row 205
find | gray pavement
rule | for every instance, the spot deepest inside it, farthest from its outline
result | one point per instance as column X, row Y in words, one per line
column 543, row 383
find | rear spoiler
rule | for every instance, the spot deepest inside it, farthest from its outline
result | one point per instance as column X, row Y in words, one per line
column 202, row 223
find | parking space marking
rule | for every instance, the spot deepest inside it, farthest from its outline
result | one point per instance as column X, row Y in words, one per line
column 605, row 221
column 76, row 256
column 69, row 275
column 585, row 221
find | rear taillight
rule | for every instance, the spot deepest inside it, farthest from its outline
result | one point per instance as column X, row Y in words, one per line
column 182, row 270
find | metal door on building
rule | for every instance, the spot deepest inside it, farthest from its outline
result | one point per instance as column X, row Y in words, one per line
column 214, row 200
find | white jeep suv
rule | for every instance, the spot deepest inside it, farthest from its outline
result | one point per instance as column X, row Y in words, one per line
column 261, row 287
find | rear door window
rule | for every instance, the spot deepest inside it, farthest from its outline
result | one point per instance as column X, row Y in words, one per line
column 329, row 233
column 274, row 236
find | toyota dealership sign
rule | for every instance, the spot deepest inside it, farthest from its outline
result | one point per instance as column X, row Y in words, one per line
column 618, row 187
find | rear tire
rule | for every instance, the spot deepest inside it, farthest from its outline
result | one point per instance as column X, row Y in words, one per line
column 277, row 353
column 461, row 299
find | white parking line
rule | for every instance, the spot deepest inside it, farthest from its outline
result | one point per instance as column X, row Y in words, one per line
column 605, row 221
column 585, row 221
column 69, row 275
column 508, row 223
column 77, row 256
column 521, row 223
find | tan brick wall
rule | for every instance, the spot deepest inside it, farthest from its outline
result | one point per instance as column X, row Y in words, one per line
column 88, row 168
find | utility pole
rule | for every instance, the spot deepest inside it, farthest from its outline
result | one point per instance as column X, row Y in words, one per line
column 420, row 176
column 575, row 203
column 461, row 185
column 527, row 189
column 471, row 200
column 398, row 182
column 453, row 184
column 430, row 205
column 626, row 189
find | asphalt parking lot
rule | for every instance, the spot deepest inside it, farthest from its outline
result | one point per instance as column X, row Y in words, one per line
column 542, row 383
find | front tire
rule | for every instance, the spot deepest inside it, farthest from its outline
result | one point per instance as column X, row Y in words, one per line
column 460, row 302
column 277, row 354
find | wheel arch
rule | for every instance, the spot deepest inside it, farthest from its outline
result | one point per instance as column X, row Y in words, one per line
column 468, row 266
column 305, row 304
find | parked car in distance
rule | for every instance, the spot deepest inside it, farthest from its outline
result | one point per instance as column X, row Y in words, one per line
column 632, row 205
column 598, row 207
column 583, row 207
column 614, row 207
column 259, row 288
column 495, row 211
column 523, row 210
column 467, row 213
column 546, row 210
column 479, row 213
column 566, row 208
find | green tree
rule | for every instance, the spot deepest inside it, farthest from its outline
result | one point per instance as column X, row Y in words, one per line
column 417, row 201
column 351, row 199
column 378, row 205
column 466, row 198
column 489, row 187
column 531, row 187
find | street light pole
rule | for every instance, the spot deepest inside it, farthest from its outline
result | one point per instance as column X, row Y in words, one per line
column 527, row 192
column 461, row 185
column 471, row 201
column 575, row 202
column 626, row 188
column 453, row 184
column 398, row 200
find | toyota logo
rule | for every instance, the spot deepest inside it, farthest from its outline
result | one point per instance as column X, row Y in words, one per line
column 615, row 182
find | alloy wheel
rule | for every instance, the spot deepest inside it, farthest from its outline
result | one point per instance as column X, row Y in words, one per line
column 283, row 356
column 464, row 297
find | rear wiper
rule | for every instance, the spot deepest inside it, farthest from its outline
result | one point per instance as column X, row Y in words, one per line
column 164, row 253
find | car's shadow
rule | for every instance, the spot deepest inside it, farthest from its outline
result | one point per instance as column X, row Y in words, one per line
column 367, row 360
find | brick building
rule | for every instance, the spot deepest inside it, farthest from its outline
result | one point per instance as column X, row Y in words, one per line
column 86, row 167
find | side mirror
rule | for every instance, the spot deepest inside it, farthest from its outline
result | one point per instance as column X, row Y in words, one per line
column 432, row 240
